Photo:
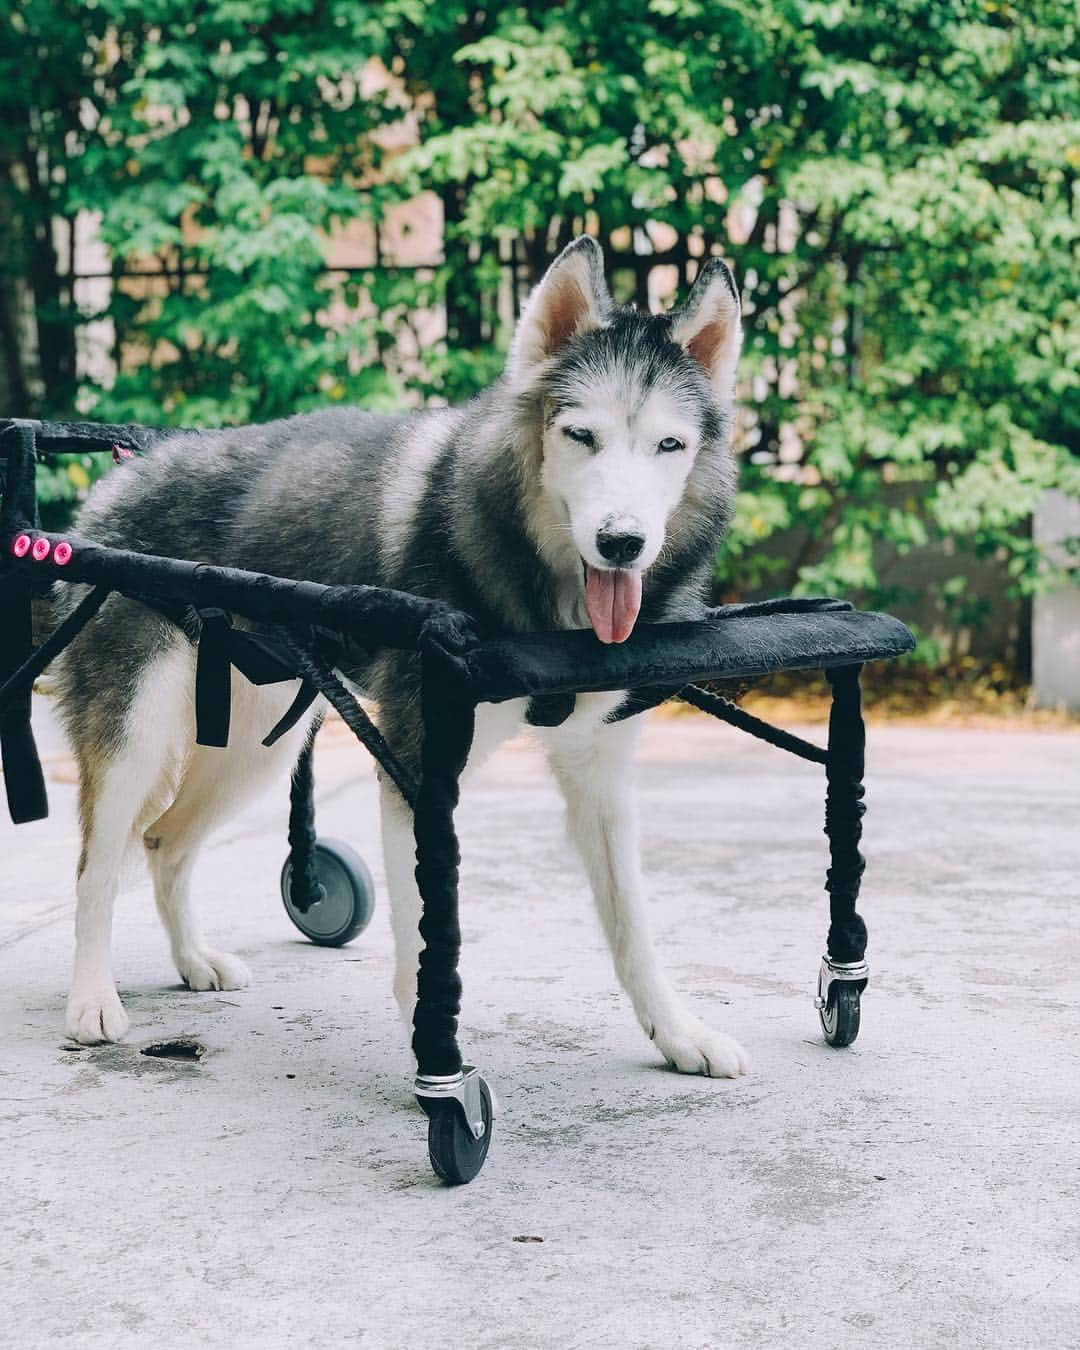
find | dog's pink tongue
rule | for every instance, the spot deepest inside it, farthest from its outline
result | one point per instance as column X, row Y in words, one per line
column 612, row 600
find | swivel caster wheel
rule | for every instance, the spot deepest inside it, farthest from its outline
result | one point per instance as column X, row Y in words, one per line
column 348, row 895
column 460, row 1116
column 840, row 1016
column 839, row 991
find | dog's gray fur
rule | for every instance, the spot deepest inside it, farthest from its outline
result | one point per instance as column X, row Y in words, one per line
column 439, row 503
column 307, row 498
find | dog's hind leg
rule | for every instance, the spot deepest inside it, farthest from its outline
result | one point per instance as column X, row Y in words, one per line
column 120, row 779
column 215, row 784
column 594, row 773
column 94, row 1010
column 172, row 843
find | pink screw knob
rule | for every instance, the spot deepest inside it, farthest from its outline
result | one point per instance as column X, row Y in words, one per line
column 21, row 545
column 62, row 553
column 40, row 551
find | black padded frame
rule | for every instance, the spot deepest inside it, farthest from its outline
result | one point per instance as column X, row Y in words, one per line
column 303, row 628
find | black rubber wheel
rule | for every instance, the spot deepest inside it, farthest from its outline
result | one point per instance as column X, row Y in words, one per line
column 349, row 900
column 840, row 1017
column 456, row 1155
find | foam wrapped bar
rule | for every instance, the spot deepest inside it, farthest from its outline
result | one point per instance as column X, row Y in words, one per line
column 379, row 616
column 720, row 646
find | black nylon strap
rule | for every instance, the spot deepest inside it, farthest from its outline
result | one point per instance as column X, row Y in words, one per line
column 642, row 700
column 213, row 679
column 305, row 697
column 24, row 782
column 259, row 657
column 549, row 710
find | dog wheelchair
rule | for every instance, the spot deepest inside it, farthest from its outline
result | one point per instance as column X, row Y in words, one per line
column 304, row 631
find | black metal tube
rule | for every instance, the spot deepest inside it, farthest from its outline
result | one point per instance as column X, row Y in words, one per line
column 844, row 810
column 19, row 510
column 54, row 438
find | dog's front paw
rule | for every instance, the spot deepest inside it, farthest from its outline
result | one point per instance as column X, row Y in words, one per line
column 95, row 1015
column 206, row 969
column 691, row 1047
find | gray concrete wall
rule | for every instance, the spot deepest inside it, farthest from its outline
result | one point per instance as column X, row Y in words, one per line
column 1056, row 624
column 987, row 623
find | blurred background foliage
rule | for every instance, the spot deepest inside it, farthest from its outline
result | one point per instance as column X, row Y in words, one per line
column 894, row 183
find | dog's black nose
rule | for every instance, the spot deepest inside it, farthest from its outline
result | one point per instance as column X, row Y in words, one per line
column 619, row 546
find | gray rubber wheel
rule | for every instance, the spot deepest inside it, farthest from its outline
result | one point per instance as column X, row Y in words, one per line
column 456, row 1154
column 840, row 1018
column 349, row 900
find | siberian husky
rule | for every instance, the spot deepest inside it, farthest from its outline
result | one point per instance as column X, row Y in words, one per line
column 589, row 486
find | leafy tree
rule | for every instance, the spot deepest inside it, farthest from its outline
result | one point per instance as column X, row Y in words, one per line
column 218, row 145
column 895, row 184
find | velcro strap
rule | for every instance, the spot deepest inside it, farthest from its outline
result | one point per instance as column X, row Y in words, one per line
column 24, row 782
column 549, row 710
column 259, row 658
column 305, row 697
column 213, row 679
column 23, row 779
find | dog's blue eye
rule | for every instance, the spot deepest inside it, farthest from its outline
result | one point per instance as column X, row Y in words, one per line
column 668, row 444
column 580, row 434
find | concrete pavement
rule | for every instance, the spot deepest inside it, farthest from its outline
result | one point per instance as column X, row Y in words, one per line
column 920, row 1189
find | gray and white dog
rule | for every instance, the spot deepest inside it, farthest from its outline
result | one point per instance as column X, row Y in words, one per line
column 591, row 485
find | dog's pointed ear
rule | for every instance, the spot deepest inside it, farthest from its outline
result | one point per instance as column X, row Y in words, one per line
column 709, row 326
column 572, row 298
